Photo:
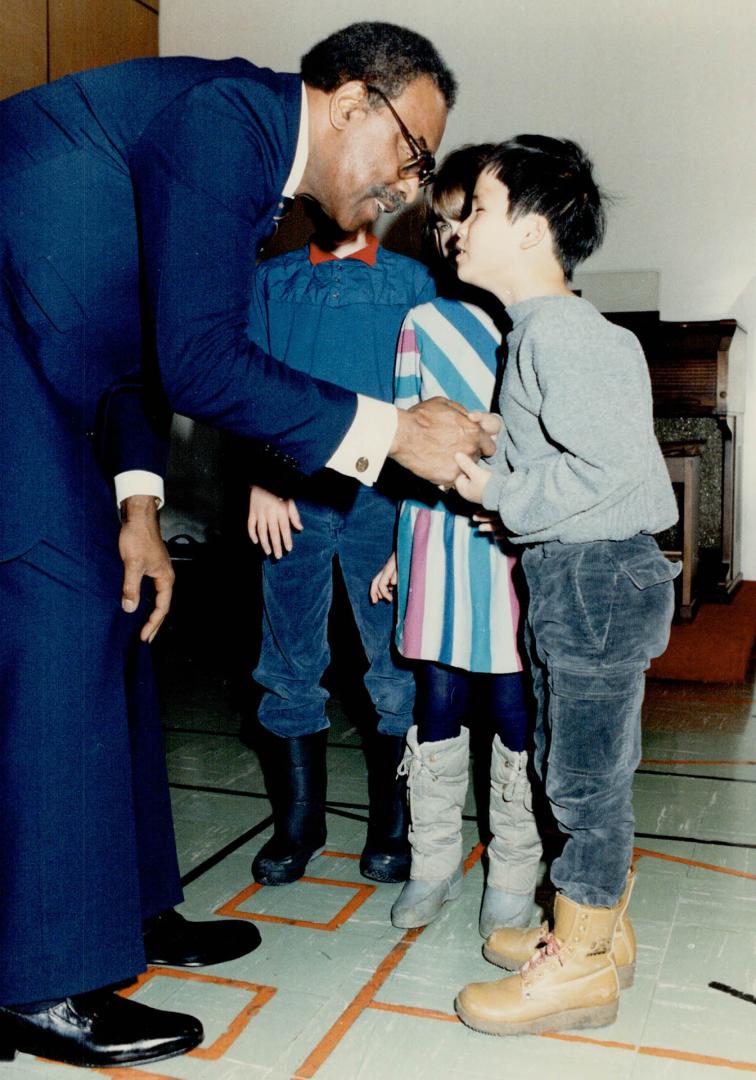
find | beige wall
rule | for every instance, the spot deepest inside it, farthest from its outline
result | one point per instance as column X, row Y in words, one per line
column 661, row 92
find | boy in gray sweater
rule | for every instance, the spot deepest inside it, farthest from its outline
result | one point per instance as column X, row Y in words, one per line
column 579, row 480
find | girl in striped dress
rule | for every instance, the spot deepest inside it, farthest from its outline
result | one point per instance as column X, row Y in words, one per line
column 458, row 615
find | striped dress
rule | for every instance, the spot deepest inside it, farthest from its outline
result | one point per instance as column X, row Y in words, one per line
column 456, row 601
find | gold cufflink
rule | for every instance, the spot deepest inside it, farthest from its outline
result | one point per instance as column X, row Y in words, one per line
column 361, row 464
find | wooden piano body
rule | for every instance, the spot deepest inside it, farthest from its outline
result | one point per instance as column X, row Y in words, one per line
column 698, row 370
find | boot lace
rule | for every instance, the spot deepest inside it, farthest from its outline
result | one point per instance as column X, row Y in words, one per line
column 412, row 764
column 548, row 946
column 516, row 785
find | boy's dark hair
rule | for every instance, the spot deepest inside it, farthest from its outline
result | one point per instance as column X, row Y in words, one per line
column 553, row 177
column 379, row 54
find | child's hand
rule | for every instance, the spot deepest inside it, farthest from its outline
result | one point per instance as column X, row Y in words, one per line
column 382, row 585
column 490, row 422
column 471, row 484
column 270, row 521
column 488, row 521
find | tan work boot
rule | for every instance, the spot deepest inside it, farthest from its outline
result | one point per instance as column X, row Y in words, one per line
column 510, row 948
column 571, row 982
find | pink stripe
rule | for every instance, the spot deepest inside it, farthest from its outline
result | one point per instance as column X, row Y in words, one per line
column 407, row 340
column 412, row 643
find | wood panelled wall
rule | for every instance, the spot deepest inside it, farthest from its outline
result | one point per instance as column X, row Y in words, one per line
column 41, row 40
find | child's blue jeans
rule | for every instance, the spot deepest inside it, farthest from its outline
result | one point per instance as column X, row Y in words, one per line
column 597, row 614
column 297, row 594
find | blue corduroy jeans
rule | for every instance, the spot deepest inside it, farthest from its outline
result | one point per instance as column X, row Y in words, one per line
column 357, row 527
column 597, row 614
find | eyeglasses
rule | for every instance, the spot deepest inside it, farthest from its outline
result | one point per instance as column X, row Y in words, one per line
column 422, row 164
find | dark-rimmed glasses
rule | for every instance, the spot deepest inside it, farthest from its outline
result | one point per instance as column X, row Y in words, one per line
column 422, row 165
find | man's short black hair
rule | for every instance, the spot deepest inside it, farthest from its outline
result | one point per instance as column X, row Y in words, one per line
column 380, row 54
column 554, row 178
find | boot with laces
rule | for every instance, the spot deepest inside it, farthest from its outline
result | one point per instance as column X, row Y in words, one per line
column 510, row 949
column 569, row 982
column 515, row 848
column 437, row 784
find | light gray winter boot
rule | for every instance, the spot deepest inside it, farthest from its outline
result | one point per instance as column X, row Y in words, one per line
column 515, row 849
column 437, row 784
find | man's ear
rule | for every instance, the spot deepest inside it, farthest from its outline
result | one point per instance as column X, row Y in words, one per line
column 349, row 101
column 534, row 227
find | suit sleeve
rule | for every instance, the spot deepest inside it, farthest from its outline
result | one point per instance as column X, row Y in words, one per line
column 133, row 429
column 206, row 179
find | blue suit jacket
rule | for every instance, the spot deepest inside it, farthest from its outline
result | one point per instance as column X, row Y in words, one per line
column 133, row 201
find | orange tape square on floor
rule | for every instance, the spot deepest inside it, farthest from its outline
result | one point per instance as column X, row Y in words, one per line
column 361, row 894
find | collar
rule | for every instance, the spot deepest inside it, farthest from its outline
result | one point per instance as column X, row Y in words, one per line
column 300, row 155
column 366, row 254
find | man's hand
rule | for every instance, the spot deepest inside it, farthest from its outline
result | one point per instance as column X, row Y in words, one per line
column 430, row 433
column 144, row 554
column 270, row 521
column 382, row 585
column 472, row 482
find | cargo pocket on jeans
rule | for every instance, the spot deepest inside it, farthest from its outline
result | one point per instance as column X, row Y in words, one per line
column 651, row 568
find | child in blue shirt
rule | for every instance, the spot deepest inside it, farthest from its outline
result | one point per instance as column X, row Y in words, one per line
column 335, row 313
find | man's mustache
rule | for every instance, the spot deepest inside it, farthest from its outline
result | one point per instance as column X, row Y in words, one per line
column 392, row 200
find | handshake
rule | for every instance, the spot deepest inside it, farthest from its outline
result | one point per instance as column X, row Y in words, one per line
column 440, row 441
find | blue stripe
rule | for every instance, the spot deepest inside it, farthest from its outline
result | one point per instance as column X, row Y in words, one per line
column 479, row 570
column 473, row 331
column 406, row 386
column 446, row 374
column 446, row 649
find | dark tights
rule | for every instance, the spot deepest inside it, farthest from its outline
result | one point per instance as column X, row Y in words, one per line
column 445, row 695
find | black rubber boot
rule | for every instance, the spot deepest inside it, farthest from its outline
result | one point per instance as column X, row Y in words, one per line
column 386, row 856
column 295, row 776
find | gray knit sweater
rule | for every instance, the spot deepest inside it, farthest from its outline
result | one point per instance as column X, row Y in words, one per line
column 577, row 459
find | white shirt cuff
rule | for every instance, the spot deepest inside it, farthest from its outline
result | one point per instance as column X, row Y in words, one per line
column 363, row 450
column 139, row 482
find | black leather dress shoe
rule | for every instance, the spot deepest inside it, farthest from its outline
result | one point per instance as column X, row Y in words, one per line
column 98, row 1030
column 171, row 939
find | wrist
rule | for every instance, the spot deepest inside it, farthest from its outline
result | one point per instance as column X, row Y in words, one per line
column 139, row 507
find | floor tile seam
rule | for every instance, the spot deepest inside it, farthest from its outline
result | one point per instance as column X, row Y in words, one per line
column 214, row 860
column 693, row 776
column 697, row 761
column 686, row 839
column 695, row 863
column 211, row 789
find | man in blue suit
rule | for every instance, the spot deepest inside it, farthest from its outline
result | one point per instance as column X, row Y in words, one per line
column 133, row 200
